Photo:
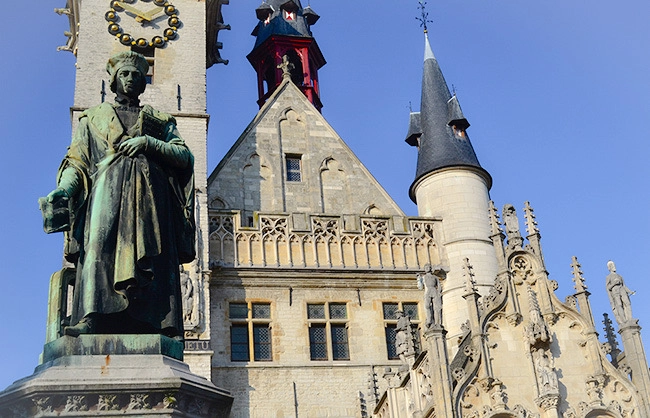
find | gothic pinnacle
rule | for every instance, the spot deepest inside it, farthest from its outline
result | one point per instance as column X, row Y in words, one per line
column 529, row 216
column 579, row 281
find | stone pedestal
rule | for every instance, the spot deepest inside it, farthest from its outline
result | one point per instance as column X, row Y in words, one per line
column 111, row 376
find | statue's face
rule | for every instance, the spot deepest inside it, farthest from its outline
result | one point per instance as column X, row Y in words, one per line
column 129, row 81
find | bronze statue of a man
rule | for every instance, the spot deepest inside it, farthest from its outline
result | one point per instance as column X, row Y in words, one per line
column 128, row 177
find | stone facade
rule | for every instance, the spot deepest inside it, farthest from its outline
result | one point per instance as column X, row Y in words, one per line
column 524, row 353
column 324, row 240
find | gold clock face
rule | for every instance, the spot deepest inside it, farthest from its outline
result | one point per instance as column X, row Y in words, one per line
column 143, row 23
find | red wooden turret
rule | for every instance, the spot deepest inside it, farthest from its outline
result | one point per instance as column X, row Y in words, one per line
column 284, row 29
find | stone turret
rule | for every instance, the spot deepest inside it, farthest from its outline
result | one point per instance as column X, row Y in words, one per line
column 451, row 184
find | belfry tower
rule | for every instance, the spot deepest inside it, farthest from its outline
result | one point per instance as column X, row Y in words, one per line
column 451, row 184
column 179, row 40
column 284, row 30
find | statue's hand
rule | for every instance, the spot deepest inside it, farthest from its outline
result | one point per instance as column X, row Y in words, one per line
column 133, row 146
column 56, row 194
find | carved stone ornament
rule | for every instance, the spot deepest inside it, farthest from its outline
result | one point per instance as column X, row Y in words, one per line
column 548, row 402
column 522, row 270
column 594, row 387
column 495, row 298
column 43, row 404
column 76, row 403
column 624, row 368
column 139, row 401
column 521, row 412
column 499, row 397
column 425, row 386
column 458, row 374
column 108, row 403
column 170, row 400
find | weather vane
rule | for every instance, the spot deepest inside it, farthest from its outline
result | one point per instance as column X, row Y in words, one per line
column 424, row 18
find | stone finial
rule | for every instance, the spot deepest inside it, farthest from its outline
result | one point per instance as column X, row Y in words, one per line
column 529, row 216
column 286, row 66
column 468, row 273
column 610, row 335
column 495, row 224
column 511, row 222
column 619, row 295
column 579, row 281
column 536, row 331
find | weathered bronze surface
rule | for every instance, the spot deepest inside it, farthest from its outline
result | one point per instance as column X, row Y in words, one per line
column 128, row 176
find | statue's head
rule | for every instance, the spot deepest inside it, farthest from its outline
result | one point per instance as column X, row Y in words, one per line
column 128, row 71
column 611, row 266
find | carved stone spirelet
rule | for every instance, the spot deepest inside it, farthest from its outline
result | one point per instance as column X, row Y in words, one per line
column 536, row 331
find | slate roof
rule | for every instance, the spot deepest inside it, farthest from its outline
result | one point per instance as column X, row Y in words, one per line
column 278, row 25
column 439, row 146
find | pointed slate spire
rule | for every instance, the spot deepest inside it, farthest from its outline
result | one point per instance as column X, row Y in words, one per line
column 443, row 142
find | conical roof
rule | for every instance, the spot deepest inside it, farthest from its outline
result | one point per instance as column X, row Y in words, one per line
column 443, row 141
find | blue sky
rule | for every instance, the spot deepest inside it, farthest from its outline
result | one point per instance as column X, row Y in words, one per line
column 557, row 94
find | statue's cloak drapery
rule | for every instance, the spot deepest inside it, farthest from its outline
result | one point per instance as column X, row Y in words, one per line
column 134, row 222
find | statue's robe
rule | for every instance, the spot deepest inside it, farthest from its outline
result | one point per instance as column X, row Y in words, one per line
column 134, row 222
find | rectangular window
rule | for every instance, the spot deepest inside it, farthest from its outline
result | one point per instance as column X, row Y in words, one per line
column 328, row 331
column 250, row 322
column 317, row 342
column 293, row 168
column 390, row 309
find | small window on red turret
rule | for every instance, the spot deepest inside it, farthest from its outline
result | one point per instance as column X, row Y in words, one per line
column 289, row 15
